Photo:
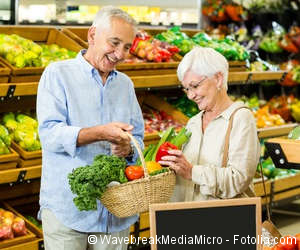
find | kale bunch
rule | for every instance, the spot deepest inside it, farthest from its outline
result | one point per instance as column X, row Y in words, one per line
column 90, row 182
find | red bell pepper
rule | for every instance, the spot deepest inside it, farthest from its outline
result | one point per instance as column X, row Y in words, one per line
column 163, row 150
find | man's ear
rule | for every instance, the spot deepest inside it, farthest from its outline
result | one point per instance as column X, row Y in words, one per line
column 91, row 35
column 220, row 79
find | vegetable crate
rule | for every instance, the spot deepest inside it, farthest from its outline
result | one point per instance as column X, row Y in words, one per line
column 19, row 241
column 40, row 35
column 79, row 35
column 9, row 161
column 4, row 73
column 159, row 104
column 35, row 242
column 27, row 159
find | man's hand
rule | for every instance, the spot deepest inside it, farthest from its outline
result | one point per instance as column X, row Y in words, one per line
column 114, row 132
column 121, row 150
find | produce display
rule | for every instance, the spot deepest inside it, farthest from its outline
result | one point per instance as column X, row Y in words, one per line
column 220, row 11
column 5, row 140
column 34, row 221
column 22, row 52
column 11, row 226
column 271, row 172
column 176, row 37
column 146, row 47
column 23, row 129
column 185, row 105
column 156, row 121
column 229, row 48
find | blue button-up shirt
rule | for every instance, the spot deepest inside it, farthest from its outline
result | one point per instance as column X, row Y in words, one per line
column 71, row 96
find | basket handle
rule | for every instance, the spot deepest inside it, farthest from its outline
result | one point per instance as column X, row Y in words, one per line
column 137, row 146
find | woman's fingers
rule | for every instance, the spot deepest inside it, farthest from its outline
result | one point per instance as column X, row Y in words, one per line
column 169, row 158
column 175, row 152
column 166, row 163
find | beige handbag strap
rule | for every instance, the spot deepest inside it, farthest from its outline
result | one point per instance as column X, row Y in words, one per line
column 248, row 192
column 227, row 136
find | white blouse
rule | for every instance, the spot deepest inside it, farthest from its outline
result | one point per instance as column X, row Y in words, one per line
column 205, row 153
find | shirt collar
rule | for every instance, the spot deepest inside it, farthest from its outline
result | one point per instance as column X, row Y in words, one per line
column 227, row 112
column 88, row 67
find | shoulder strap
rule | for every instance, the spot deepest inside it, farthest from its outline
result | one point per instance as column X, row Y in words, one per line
column 227, row 137
column 248, row 192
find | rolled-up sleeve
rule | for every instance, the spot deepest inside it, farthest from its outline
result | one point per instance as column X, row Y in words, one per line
column 243, row 156
column 55, row 134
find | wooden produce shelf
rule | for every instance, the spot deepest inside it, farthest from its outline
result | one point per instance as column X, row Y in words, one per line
column 284, row 152
column 253, row 76
column 20, row 89
column 286, row 187
column 19, row 240
column 27, row 155
column 9, row 161
column 45, row 35
column 13, row 175
column 4, row 73
column 33, row 228
column 276, row 130
column 171, row 80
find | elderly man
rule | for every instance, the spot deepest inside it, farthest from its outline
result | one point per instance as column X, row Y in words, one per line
column 84, row 108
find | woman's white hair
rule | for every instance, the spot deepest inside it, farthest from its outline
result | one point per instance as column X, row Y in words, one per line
column 204, row 62
column 104, row 15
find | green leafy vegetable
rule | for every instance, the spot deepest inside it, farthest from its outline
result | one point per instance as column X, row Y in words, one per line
column 90, row 182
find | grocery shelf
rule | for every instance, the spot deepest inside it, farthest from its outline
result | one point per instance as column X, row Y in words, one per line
column 18, row 89
column 284, row 152
column 276, row 130
column 20, row 175
column 253, row 76
column 150, row 81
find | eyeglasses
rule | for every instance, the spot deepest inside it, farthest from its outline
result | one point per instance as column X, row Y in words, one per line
column 194, row 86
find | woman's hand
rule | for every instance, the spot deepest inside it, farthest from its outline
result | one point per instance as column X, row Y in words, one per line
column 177, row 161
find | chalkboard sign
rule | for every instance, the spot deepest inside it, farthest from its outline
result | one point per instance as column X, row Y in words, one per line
column 210, row 225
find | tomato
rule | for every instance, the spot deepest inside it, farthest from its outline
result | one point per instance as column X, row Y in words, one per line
column 134, row 172
column 287, row 243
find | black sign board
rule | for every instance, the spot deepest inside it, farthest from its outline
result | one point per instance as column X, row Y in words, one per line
column 210, row 225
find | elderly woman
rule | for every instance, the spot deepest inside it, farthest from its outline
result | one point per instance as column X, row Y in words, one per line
column 202, row 173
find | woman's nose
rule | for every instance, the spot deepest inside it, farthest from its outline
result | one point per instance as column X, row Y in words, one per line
column 191, row 95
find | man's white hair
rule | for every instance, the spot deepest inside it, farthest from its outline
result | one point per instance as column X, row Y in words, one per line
column 104, row 15
column 204, row 62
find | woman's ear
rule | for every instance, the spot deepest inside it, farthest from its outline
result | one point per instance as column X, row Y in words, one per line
column 220, row 79
column 91, row 35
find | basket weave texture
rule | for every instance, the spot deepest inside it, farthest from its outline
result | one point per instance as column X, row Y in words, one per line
column 135, row 196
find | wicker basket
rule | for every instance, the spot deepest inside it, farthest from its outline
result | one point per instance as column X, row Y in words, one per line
column 135, row 196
